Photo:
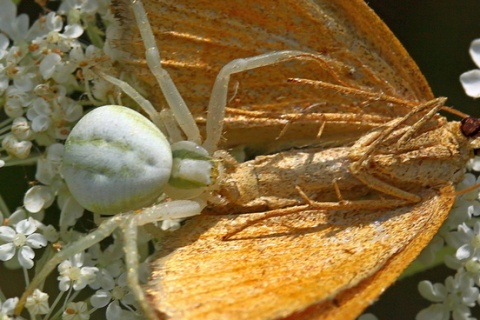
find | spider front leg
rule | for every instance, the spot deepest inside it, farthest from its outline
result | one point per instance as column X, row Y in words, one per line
column 128, row 222
column 165, row 211
column 175, row 101
column 218, row 97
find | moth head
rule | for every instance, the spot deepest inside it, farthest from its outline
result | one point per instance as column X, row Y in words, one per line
column 470, row 128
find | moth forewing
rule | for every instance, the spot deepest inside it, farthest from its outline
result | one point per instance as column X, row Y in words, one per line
column 209, row 36
column 291, row 264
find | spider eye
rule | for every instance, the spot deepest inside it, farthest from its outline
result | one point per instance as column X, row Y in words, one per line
column 116, row 160
column 192, row 170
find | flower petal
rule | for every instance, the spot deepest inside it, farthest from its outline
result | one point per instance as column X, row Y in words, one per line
column 38, row 198
column 25, row 256
column 113, row 311
column 433, row 292
column 100, row 299
column 475, row 51
column 36, row 241
column 48, row 64
column 26, row 226
column 434, row 312
column 7, row 233
column 7, row 251
column 471, row 83
column 9, row 305
column 464, row 252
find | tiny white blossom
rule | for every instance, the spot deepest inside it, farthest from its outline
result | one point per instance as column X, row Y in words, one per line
column 73, row 274
column 7, row 307
column 113, row 290
column 48, row 166
column 48, row 64
column 4, row 43
column 39, row 114
column 37, row 303
column 471, row 79
column 16, row 27
column 38, row 198
column 17, row 148
column 467, row 240
column 474, row 164
column 454, row 299
column 20, row 241
column 21, row 129
column 50, row 233
column 76, row 311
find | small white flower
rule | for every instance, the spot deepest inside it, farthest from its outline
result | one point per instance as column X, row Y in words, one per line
column 113, row 290
column 73, row 274
column 39, row 114
column 4, row 43
column 48, row 166
column 467, row 241
column 455, row 298
column 76, row 311
column 17, row 148
column 16, row 27
column 37, row 303
column 471, row 79
column 21, row 129
column 474, row 164
column 20, row 241
column 21, row 214
column 50, row 233
column 6, row 308
column 16, row 100
column 115, row 293
column 48, row 64
column 38, row 198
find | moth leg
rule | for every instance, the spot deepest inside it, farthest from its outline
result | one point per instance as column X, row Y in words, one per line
column 370, row 181
column 437, row 105
column 299, row 116
column 365, row 148
column 172, row 96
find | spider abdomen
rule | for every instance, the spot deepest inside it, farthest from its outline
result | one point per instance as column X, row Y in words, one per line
column 116, row 160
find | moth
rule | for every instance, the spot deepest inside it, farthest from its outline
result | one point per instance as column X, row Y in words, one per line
column 360, row 173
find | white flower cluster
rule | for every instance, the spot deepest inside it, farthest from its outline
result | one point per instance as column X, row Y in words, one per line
column 47, row 78
column 459, row 238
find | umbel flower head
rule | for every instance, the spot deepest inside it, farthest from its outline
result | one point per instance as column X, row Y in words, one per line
column 20, row 242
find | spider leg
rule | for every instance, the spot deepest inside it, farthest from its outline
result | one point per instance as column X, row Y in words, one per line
column 174, row 99
column 218, row 98
column 172, row 210
column 130, row 232
column 169, row 210
column 104, row 230
column 135, row 95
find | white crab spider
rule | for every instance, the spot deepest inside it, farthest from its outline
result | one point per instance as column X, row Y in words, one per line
column 111, row 181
